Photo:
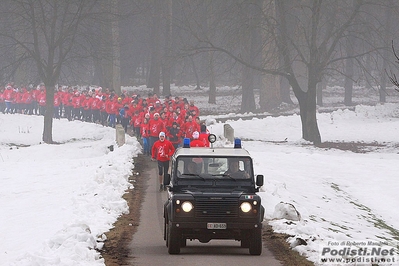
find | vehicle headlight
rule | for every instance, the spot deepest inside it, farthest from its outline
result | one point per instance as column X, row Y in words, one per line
column 187, row 206
column 245, row 207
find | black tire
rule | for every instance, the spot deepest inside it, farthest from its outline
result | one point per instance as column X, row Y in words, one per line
column 165, row 233
column 245, row 243
column 174, row 239
column 245, row 234
column 167, row 236
column 255, row 242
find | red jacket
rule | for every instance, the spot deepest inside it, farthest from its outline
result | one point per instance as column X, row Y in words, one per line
column 95, row 104
column 101, row 105
column 145, row 130
column 8, row 95
column 162, row 150
column 76, row 101
column 197, row 143
column 41, row 99
column 156, row 126
column 57, row 100
column 136, row 120
column 35, row 94
column 67, row 99
column 17, row 97
column 194, row 108
column 203, row 136
column 189, row 127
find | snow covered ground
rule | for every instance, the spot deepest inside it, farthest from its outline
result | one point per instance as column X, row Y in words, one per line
column 57, row 201
column 340, row 195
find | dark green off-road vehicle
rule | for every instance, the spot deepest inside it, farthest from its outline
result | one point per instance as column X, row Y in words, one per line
column 208, row 200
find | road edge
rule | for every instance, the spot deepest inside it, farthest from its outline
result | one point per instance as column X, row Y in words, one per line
column 116, row 248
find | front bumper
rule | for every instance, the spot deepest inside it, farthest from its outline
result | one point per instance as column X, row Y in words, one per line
column 199, row 230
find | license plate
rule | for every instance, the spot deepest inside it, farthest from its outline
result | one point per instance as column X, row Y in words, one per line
column 216, row 225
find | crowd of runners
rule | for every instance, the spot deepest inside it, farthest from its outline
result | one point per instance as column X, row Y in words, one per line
column 144, row 117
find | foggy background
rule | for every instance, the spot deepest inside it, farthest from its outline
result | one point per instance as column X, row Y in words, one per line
column 264, row 46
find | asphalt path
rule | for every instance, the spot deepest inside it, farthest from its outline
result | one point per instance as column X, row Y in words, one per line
column 148, row 246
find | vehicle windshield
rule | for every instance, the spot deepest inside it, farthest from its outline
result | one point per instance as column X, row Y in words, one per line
column 214, row 167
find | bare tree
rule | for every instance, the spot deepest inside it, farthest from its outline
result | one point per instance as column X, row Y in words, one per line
column 316, row 51
column 155, row 42
column 392, row 76
column 47, row 31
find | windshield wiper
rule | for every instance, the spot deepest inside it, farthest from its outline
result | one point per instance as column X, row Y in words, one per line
column 224, row 175
column 195, row 175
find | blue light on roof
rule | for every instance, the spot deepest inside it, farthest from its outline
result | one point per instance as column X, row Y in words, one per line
column 237, row 143
column 186, row 143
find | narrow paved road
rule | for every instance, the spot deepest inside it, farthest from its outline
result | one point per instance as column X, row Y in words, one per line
column 148, row 246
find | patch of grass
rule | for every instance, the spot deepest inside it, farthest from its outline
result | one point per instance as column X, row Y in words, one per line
column 377, row 222
column 278, row 245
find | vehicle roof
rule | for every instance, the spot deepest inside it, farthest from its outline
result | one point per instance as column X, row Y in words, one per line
column 205, row 151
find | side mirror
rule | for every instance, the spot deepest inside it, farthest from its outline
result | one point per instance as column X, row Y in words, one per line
column 259, row 180
column 166, row 179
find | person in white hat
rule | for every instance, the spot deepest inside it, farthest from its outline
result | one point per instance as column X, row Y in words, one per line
column 196, row 142
column 161, row 151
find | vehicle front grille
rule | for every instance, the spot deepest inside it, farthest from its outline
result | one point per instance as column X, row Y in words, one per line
column 216, row 208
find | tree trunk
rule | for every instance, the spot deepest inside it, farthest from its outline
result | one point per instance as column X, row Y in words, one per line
column 270, row 93
column 285, row 91
column 49, row 113
column 270, row 96
column 212, row 84
column 319, row 93
column 248, row 99
column 155, row 67
column 195, row 73
column 116, row 53
column 348, row 85
column 105, row 53
column 387, row 29
column 310, row 129
column 167, row 59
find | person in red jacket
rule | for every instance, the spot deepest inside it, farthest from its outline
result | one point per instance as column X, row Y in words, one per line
column 156, row 126
column 8, row 96
column 86, row 107
column 162, row 150
column 174, row 134
column 189, row 127
column 17, row 100
column 57, row 103
column 194, row 108
column 144, row 133
column 136, row 120
column 95, row 108
column 41, row 100
column 67, row 102
column 35, row 95
column 76, row 103
column 27, row 101
column 103, row 111
column 2, row 102
column 196, row 142
column 203, row 136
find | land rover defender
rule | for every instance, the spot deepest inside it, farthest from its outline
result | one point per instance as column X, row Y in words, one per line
column 208, row 199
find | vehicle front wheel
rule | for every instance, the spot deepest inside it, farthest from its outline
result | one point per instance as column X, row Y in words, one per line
column 255, row 242
column 174, row 238
column 183, row 242
column 245, row 238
